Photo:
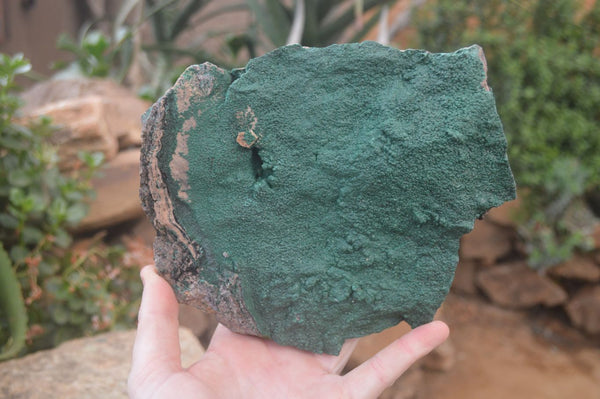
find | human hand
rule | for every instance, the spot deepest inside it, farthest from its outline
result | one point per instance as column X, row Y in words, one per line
column 241, row 366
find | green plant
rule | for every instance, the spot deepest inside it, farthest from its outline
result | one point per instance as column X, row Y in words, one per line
column 38, row 205
column 561, row 223
column 322, row 22
column 98, row 55
column 163, row 57
column 12, row 305
column 37, row 202
column 101, row 54
column 86, row 289
column 544, row 68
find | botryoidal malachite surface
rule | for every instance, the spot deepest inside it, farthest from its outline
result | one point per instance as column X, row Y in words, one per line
column 321, row 193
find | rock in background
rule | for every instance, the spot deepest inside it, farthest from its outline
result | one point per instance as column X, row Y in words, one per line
column 95, row 115
column 492, row 263
column 116, row 189
column 95, row 367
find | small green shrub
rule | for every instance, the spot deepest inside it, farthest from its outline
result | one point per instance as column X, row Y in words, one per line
column 325, row 22
column 98, row 55
column 67, row 291
column 83, row 290
column 12, row 305
column 37, row 202
column 561, row 222
column 544, row 68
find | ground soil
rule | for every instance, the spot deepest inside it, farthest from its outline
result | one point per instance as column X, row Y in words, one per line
column 497, row 354
column 508, row 354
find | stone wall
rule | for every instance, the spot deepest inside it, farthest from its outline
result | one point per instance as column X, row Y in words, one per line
column 493, row 263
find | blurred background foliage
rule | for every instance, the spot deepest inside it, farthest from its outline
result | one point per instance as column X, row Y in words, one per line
column 543, row 67
column 51, row 290
column 543, row 59
column 161, row 37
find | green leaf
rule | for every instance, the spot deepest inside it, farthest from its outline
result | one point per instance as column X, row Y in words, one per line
column 91, row 159
column 74, row 278
column 48, row 268
column 59, row 314
column 19, row 178
column 18, row 253
column 38, row 201
column 91, row 307
column 28, row 204
column 17, row 197
column 58, row 211
column 273, row 18
column 74, row 195
column 65, row 42
column 78, row 318
column 58, row 65
column 76, row 213
column 62, row 239
column 54, row 285
column 32, row 235
column 95, row 43
column 22, row 68
column 13, row 306
column 75, row 303
column 14, row 143
column 8, row 221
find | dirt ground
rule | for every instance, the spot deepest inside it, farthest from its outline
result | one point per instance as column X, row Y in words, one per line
column 496, row 354
column 503, row 354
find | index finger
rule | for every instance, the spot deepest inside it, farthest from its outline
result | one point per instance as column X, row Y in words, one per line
column 371, row 378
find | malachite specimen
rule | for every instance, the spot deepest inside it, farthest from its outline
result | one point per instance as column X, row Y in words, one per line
column 320, row 193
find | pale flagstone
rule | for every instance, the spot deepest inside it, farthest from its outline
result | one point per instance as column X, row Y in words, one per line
column 91, row 368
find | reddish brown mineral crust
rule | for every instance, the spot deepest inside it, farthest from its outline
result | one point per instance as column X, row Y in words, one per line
column 485, row 69
column 179, row 165
column 247, row 121
column 184, row 96
column 163, row 206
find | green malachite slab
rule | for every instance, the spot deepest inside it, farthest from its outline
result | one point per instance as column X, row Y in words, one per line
column 321, row 193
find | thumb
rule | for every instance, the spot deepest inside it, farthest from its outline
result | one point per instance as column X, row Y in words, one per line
column 156, row 349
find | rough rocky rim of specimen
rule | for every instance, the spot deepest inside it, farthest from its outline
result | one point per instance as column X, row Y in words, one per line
column 320, row 193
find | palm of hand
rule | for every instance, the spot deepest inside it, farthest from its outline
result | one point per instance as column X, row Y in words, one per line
column 239, row 366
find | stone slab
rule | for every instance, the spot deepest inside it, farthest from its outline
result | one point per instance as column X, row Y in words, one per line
column 320, row 193
column 116, row 193
column 578, row 267
column 516, row 285
column 119, row 105
column 80, row 125
column 487, row 243
column 92, row 368
column 584, row 309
